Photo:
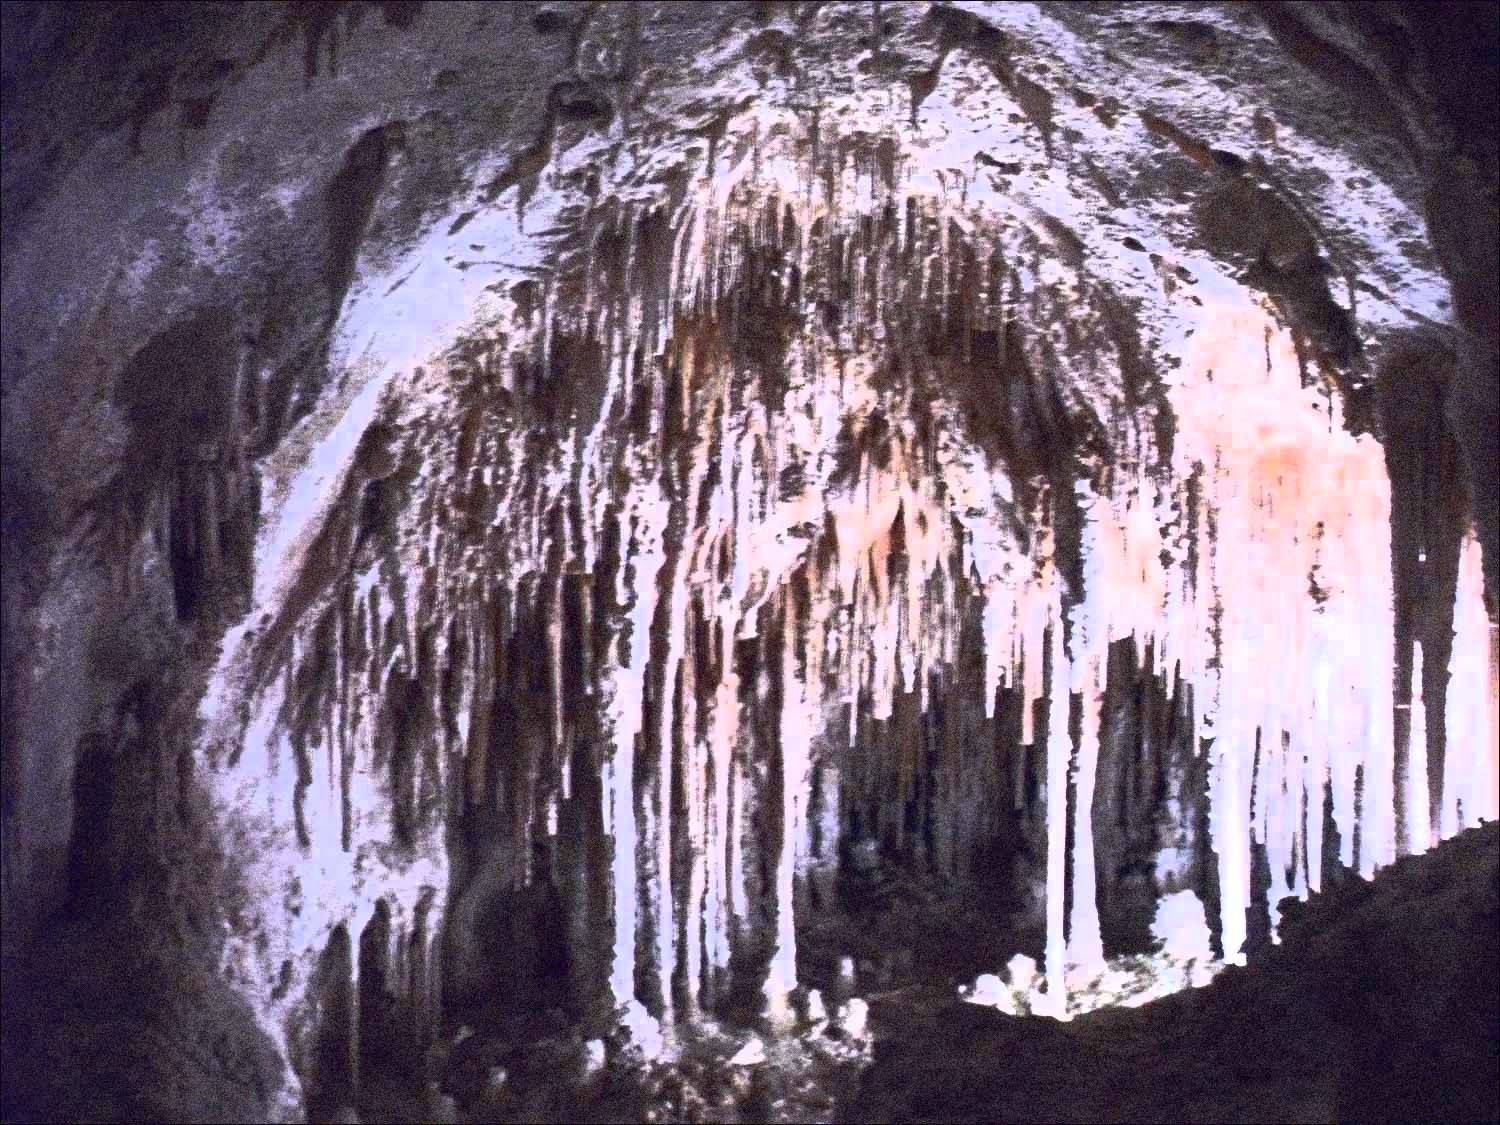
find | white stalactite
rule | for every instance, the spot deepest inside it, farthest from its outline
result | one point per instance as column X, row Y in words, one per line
column 1059, row 750
column 1255, row 567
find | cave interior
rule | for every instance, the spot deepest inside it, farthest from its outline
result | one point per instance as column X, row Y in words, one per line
column 862, row 561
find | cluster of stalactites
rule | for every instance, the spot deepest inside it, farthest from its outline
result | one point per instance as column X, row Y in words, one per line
column 1278, row 613
column 754, row 499
column 313, row 815
column 1256, row 572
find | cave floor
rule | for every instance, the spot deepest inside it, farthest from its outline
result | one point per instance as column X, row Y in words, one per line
column 1380, row 1003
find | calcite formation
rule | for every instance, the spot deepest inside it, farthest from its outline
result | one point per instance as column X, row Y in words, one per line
column 897, row 427
column 810, row 492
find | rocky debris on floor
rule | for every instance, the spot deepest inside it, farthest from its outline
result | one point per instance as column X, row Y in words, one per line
column 1382, row 1002
column 710, row 1072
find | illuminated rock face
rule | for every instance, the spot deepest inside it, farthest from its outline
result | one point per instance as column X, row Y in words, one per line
column 961, row 443
column 818, row 499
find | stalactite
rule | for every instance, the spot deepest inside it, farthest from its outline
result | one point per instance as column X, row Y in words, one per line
column 811, row 458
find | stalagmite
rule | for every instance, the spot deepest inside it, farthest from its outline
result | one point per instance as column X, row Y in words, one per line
column 1472, row 710
column 1419, row 837
column 1059, row 751
column 796, row 757
column 1085, row 946
column 626, row 709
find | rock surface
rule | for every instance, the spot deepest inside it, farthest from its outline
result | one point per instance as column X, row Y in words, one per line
column 572, row 508
column 1382, row 1003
